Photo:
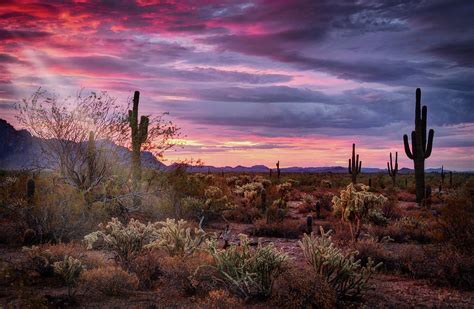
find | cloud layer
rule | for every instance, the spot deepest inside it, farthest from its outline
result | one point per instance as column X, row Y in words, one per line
column 258, row 81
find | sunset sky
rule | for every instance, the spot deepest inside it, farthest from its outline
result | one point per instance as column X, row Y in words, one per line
column 253, row 82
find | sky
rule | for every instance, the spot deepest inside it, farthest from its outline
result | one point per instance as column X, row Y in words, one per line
column 253, row 82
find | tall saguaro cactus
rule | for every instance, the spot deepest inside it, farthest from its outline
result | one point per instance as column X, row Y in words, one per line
column 354, row 165
column 393, row 171
column 421, row 146
column 139, row 136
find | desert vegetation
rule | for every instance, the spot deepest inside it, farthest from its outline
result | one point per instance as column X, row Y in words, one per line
column 90, row 229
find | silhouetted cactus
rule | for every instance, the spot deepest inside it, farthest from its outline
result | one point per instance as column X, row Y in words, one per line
column 270, row 172
column 393, row 171
column 370, row 182
column 442, row 176
column 406, row 182
column 318, row 210
column 309, row 224
column 427, row 199
column 139, row 136
column 354, row 165
column 278, row 169
column 421, row 146
column 30, row 190
column 450, row 178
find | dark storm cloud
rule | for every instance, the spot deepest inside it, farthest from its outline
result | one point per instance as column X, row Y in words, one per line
column 461, row 53
column 268, row 94
column 22, row 35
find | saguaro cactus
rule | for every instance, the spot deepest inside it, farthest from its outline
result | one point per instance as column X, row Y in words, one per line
column 30, row 190
column 278, row 169
column 139, row 136
column 354, row 165
column 421, row 146
column 309, row 224
column 393, row 171
column 442, row 176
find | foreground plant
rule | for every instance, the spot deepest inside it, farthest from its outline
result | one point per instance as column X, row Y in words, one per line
column 357, row 205
column 340, row 269
column 70, row 270
column 177, row 239
column 245, row 271
column 126, row 241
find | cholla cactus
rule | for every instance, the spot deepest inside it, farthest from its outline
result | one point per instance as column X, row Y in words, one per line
column 231, row 180
column 216, row 201
column 284, row 190
column 309, row 200
column 126, row 241
column 177, row 239
column 247, row 272
column 356, row 205
column 340, row 269
column 70, row 270
column 265, row 182
column 250, row 193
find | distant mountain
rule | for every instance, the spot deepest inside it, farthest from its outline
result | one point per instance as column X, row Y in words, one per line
column 19, row 150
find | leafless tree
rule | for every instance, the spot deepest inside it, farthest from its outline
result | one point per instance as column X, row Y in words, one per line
column 76, row 133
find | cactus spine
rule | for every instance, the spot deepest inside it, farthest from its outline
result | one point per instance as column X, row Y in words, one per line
column 354, row 165
column 421, row 146
column 393, row 171
column 139, row 136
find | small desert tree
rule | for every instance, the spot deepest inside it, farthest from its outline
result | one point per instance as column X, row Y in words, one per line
column 356, row 205
column 76, row 133
column 72, row 133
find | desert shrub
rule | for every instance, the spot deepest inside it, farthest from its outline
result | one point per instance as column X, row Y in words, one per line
column 264, row 181
column 339, row 269
column 309, row 202
column 414, row 228
column 455, row 269
column 356, row 206
column 294, row 290
column 177, row 239
column 372, row 249
column 231, row 181
column 242, row 214
column 186, row 274
column 277, row 211
column 69, row 270
column 109, row 280
column 247, row 272
column 211, row 207
column 220, row 299
column 284, row 190
column 456, row 221
column 441, row 265
column 41, row 258
column 147, row 267
column 390, row 208
column 286, row 229
column 125, row 241
column 250, row 193
column 57, row 213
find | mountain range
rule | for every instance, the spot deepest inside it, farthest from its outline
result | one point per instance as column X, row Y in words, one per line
column 19, row 150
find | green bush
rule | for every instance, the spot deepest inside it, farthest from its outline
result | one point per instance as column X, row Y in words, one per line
column 126, row 241
column 340, row 269
column 177, row 239
column 248, row 273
